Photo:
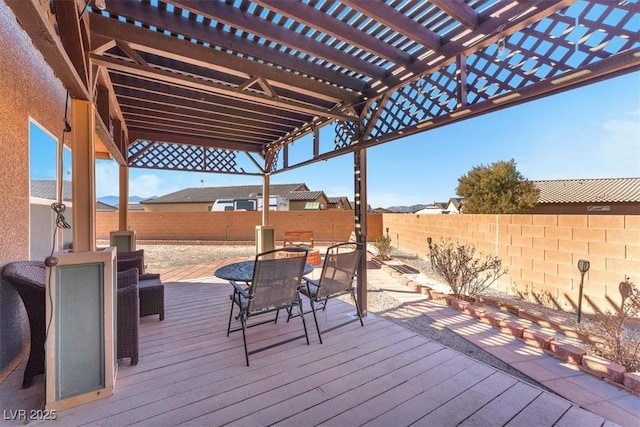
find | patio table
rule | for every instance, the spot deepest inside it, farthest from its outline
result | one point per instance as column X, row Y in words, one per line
column 243, row 271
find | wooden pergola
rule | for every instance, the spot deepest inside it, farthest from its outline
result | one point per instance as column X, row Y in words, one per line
column 211, row 86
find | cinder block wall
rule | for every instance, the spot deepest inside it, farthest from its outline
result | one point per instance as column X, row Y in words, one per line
column 541, row 252
column 28, row 88
column 327, row 225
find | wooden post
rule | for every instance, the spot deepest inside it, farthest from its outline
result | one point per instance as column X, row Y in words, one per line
column 123, row 210
column 361, row 208
column 265, row 199
column 84, row 182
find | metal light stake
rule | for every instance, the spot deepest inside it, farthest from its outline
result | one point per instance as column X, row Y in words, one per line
column 583, row 266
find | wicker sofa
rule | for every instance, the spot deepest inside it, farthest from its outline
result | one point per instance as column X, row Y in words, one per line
column 150, row 286
column 28, row 279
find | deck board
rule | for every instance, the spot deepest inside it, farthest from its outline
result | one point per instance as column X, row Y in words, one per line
column 382, row 374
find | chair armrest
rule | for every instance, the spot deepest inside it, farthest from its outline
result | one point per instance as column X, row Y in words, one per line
column 240, row 289
column 149, row 276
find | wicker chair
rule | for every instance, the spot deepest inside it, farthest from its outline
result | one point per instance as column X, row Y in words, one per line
column 336, row 278
column 151, row 289
column 28, row 279
column 274, row 286
column 128, row 315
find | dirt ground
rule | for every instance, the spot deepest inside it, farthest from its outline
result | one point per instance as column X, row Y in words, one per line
column 163, row 256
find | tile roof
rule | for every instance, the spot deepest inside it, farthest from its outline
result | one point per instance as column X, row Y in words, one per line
column 211, row 194
column 304, row 195
column 598, row 190
column 47, row 189
column 105, row 207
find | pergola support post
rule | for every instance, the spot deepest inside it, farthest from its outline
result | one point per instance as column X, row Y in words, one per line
column 265, row 199
column 84, row 183
column 123, row 210
column 360, row 197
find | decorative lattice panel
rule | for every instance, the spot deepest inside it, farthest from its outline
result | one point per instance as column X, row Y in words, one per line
column 161, row 155
column 345, row 134
column 432, row 96
column 580, row 35
column 276, row 158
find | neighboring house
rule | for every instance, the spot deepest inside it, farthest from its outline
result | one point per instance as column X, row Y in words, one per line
column 43, row 219
column 612, row 196
column 307, row 200
column 591, row 196
column 382, row 210
column 202, row 198
column 105, row 207
column 434, row 208
column 339, row 202
column 455, row 205
column 47, row 189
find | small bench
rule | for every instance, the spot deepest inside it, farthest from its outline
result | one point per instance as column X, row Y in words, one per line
column 298, row 238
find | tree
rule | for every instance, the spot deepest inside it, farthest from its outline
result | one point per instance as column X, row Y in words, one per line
column 497, row 189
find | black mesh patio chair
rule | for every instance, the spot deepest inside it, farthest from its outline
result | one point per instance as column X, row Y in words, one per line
column 338, row 270
column 274, row 287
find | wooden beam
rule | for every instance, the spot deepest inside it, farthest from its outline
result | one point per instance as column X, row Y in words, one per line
column 458, row 10
column 198, row 113
column 314, row 18
column 162, row 94
column 135, row 134
column 190, row 29
column 71, row 37
column 397, row 21
column 229, row 14
column 214, row 88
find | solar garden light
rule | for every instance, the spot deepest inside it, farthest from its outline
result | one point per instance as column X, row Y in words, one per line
column 583, row 266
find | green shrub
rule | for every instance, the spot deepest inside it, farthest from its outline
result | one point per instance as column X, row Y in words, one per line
column 383, row 247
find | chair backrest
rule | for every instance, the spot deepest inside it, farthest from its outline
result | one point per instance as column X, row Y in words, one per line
column 276, row 280
column 129, row 260
column 28, row 277
column 339, row 268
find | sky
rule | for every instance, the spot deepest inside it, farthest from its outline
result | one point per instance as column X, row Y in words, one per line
column 589, row 132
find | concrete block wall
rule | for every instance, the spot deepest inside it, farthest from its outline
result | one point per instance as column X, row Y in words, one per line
column 327, row 225
column 541, row 252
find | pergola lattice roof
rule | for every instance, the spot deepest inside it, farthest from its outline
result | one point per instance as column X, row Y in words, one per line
column 192, row 85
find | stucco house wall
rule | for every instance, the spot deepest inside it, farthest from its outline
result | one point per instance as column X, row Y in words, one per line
column 28, row 89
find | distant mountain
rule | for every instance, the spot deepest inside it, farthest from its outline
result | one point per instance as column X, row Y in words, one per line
column 411, row 208
column 115, row 200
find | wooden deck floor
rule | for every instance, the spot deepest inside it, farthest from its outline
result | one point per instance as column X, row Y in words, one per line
column 191, row 373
